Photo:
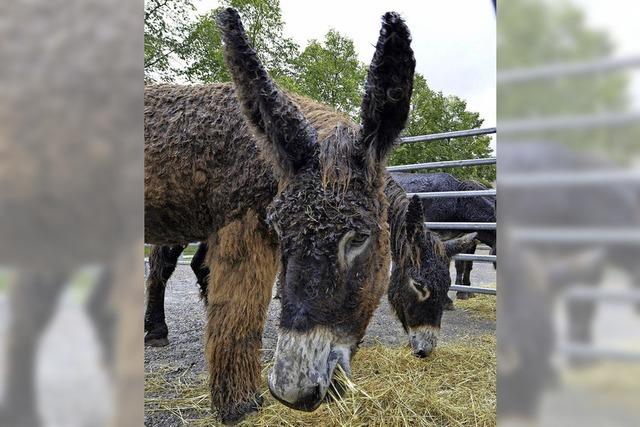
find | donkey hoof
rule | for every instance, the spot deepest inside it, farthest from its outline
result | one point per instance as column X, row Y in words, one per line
column 156, row 342
column 236, row 413
column 462, row 295
column 156, row 339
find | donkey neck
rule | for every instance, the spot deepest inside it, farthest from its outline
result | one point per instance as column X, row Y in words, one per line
column 401, row 248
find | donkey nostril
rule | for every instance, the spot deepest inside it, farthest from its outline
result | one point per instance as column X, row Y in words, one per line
column 317, row 392
column 421, row 353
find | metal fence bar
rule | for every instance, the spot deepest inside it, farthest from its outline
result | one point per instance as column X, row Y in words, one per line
column 582, row 123
column 475, row 258
column 443, row 164
column 552, row 71
column 180, row 261
column 489, row 291
column 447, row 135
column 440, row 194
column 461, row 225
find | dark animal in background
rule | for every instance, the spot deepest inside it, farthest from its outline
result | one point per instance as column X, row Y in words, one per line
column 420, row 276
column 162, row 263
column 454, row 209
column 219, row 159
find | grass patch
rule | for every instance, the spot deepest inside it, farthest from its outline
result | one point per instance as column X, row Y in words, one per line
column 455, row 386
column 189, row 250
column 483, row 306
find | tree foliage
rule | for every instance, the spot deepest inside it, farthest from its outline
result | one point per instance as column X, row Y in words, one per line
column 166, row 24
column 330, row 72
column 553, row 33
column 262, row 19
column 432, row 112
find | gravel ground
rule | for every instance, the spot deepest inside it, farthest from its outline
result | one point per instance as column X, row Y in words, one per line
column 185, row 316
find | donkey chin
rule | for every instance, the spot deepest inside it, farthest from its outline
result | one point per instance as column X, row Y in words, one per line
column 423, row 339
column 304, row 366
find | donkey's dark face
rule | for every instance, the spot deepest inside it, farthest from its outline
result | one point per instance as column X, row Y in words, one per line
column 418, row 289
column 330, row 213
column 335, row 256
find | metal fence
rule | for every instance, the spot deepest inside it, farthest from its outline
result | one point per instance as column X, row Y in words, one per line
column 466, row 226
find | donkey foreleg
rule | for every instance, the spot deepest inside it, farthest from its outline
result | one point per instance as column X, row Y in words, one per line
column 463, row 274
column 245, row 263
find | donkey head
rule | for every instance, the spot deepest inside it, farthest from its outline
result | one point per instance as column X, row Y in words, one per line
column 330, row 211
column 419, row 283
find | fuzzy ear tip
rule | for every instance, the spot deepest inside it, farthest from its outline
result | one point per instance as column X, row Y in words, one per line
column 393, row 22
column 228, row 17
column 392, row 18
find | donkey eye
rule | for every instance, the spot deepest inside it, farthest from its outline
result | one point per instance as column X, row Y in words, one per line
column 358, row 239
column 420, row 289
column 351, row 245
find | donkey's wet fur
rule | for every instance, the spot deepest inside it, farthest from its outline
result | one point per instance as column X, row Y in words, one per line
column 420, row 276
column 467, row 209
column 275, row 182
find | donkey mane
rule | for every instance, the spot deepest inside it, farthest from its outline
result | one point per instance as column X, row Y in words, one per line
column 406, row 253
column 336, row 133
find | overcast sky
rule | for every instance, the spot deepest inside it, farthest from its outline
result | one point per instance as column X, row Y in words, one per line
column 454, row 41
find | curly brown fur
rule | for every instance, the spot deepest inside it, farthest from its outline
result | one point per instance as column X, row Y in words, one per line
column 245, row 262
column 217, row 159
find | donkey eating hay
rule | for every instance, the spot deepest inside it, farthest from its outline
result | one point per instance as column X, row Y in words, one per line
column 219, row 160
column 418, row 284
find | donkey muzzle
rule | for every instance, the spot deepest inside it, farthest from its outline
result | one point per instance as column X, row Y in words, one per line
column 423, row 340
column 304, row 366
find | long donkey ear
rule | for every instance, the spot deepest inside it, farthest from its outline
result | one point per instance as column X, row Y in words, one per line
column 414, row 219
column 289, row 139
column 455, row 246
column 385, row 106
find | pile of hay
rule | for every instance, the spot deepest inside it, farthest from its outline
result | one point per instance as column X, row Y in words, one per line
column 455, row 386
column 481, row 305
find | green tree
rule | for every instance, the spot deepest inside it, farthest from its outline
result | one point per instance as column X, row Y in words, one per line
column 166, row 24
column 262, row 19
column 432, row 112
column 330, row 72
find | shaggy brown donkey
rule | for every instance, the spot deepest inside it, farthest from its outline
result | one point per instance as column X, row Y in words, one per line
column 220, row 159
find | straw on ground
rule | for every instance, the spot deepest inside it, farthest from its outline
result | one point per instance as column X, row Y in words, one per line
column 455, row 386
